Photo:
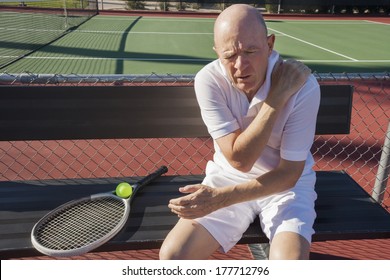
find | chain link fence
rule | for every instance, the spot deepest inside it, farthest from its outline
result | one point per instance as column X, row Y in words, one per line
column 377, row 7
column 363, row 154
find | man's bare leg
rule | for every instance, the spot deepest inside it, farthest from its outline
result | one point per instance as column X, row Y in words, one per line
column 289, row 246
column 188, row 240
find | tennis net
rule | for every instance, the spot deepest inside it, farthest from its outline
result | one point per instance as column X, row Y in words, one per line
column 27, row 26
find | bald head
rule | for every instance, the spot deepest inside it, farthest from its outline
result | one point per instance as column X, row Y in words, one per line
column 238, row 18
column 243, row 47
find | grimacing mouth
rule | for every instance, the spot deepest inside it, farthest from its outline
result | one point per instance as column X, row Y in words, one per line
column 243, row 77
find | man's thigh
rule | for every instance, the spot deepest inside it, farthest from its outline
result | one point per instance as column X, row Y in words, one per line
column 188, row 240
column 291, row 211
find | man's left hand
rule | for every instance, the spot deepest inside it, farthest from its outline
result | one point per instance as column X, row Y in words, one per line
column 200, row 201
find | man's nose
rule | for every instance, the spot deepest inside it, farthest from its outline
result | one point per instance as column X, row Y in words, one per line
column 241, row 62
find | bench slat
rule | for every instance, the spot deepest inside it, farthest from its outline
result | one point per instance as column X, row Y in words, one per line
column 102, row 112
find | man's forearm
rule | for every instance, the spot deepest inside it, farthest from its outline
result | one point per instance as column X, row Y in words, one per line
column 275, row 181
column 247, row 145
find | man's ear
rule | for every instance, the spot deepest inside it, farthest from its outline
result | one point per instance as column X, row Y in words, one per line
column 271, row 43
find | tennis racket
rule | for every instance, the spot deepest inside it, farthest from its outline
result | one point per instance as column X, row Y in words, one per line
column 82, row 225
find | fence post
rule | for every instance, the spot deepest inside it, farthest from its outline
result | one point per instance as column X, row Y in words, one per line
column 383, row 170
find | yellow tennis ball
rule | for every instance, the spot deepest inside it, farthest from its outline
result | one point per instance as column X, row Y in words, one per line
column 124, row 190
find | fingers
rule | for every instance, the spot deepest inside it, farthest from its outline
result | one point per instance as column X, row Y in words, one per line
column 198, row 203
column 186, row 209
column 278, row 62
column 287, row 78
column 185, row 206
column 189, row 188
column 185, row 200
column 297, row 66
column 187, row 212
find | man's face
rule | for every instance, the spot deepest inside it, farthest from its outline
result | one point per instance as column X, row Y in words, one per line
column 244, row 53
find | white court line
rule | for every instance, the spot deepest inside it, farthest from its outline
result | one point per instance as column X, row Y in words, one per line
column 106, row 32
column 184, row 59
column 143, row 32
column 33, row 30
column 349, row 61
column 326, row 22
column 376, row 22
column 313, row 45
column 133, row 18
column 109, row 58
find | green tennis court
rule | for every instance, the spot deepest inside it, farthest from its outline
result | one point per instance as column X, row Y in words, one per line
column 182, row 45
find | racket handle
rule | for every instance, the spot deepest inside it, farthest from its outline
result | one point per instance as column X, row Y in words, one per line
column 149, row 178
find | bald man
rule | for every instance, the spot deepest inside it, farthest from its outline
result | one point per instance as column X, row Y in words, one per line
column 261, row 113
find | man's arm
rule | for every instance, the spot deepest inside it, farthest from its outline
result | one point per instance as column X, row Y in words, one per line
column 203, row 200
column 243, row 148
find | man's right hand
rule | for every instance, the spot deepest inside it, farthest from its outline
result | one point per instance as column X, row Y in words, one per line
column 287, row 78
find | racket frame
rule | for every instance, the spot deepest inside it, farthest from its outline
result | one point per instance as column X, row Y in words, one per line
column 90, row 246
column 93, row 245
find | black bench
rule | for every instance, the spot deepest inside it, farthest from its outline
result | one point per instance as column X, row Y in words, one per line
column 345, row 210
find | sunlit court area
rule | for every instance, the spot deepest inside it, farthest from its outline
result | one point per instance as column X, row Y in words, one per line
column 71, row 47
column 144, row 43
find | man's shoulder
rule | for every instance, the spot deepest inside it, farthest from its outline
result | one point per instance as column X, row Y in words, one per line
column 212, row 69
column 310, row 92
column 312, row 83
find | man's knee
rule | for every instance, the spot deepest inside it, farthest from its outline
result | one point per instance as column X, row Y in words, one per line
column 289, row 246
column 170, row 251
column 288, row 254
column 165, row 253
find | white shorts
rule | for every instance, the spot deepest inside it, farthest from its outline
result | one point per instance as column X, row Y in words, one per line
column 292, row 211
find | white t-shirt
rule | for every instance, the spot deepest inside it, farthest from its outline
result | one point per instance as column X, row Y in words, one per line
column 225, row 109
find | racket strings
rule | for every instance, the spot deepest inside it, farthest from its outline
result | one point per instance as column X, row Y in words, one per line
column 81, row 224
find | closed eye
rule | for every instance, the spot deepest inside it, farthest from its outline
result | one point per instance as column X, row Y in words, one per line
column 228, row 55
column 250, row 51
column 232, row 55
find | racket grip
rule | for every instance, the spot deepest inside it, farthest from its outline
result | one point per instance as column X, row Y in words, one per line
column 149, row 178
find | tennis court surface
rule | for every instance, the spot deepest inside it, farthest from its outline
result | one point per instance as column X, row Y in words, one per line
column 144, row 44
